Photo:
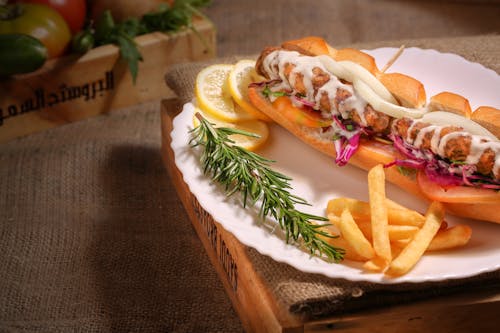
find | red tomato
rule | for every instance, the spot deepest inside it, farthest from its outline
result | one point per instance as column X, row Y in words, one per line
column 460, row 194
column 73, row 11
column 283, row 106
column 302, row 116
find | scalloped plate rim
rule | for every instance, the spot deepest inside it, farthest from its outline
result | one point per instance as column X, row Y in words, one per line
column 309, row 264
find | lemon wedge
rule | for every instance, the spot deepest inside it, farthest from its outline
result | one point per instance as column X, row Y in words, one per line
column 213, row 95
column 253, row 126
column 242, row 74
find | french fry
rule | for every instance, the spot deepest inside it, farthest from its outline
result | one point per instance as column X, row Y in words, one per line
column 396, row 250
column 366, row 227
column 378, row 210
column 358, row 209
column 341, row 242
column 353, row 235
column 350, row 253
column 376, row 264
column 402, row 231
column 396, row 232
column 445, row 239
column 453, row 237
column 396, row 213
column 334, row 219
column 401, row 215
column 399, row 236
column 404, row 216
column 400, row 243
column 410, row 255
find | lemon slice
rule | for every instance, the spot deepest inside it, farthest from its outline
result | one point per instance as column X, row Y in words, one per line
column 213, row 96
column 241, row 76
column 253, row 126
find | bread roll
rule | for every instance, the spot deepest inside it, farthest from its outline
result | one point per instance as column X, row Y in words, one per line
column 489, row 118
column 450, row 102
column 410, row 93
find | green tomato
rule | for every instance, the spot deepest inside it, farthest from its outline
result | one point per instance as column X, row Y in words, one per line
column 20, row 54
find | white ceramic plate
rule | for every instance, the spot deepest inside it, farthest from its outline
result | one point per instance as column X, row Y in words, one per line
column 317, row 179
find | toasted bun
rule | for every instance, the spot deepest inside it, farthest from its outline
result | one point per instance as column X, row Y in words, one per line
column 479, row 211
column 311, row 45
column 314, row 46
column 408, row 91
column 450, row 102
column 489, row 118
column 361, row 58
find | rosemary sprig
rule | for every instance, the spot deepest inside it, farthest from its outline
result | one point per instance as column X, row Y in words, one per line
column 240, row 170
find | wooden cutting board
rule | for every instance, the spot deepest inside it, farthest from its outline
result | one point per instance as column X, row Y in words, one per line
column 260, row 310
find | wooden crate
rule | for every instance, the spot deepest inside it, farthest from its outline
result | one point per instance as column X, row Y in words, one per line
column 72, row 88
column 260, row 311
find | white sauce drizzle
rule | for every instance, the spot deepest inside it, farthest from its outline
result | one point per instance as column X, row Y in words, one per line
column 478, row 144
column 303, row 66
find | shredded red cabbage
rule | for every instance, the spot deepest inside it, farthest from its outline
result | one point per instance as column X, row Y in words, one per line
column 345, row 148
column 339, row 123
column 404, row 148
column 442, row 179
column 439, row 171
column 407, row 164
column 303, row 101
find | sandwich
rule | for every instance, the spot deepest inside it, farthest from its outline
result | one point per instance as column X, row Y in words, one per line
column 340, row 103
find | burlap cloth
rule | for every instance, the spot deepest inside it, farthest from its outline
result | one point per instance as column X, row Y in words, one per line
column 92, row 235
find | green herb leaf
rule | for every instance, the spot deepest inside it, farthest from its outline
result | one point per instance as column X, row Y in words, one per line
column 239, row 170
column 405, row 171
column 130, row 53
column 104, row 28
column 132, row 27
column 455, row 162
column 268, row 92
column 82, row 42
column 166, row 19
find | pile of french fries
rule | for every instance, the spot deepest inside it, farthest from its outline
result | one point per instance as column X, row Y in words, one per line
column 386, row 236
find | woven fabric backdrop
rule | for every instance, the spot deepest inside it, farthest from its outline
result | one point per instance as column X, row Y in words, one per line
column 92, row 235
